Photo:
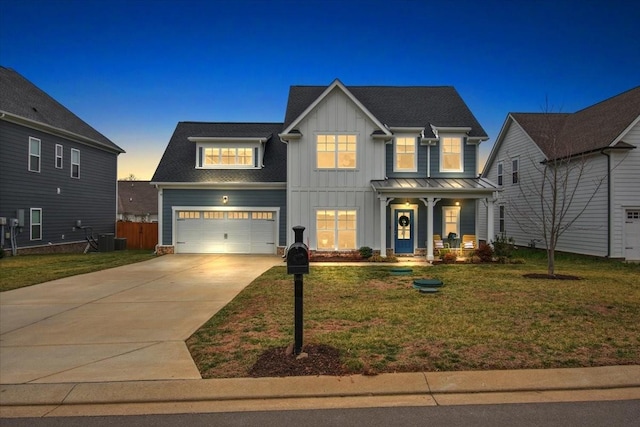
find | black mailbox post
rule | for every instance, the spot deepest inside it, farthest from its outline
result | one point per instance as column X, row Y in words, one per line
column 298, row 264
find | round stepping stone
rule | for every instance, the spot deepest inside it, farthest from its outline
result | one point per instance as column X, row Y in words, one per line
column 401, row 270
column 428, row 290
column 427, row 283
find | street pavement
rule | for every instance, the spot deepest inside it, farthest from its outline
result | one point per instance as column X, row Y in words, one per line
column 112, row 343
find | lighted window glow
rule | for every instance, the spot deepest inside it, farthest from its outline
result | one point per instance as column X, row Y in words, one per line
column 451, row 154
column 227, row 156
column 451, row 216
column 336, row 151
column 336, row 229
column 405, row 154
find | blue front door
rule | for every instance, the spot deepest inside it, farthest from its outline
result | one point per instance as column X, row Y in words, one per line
column 403, row 231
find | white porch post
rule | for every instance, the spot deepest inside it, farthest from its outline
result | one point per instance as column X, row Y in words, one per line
column 383, row 226
column 490, row 231
column 430, row 203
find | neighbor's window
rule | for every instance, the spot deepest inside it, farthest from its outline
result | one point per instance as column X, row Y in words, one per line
column 34, row 154
column 501, row 218
column 451, row 220
column 336, row 229
column 336, row 151
column 36, row 224
column 59, row 151
column 405, row 155
column 451, row 154
column 500, row 172
column 515, row 166
column 75, row 163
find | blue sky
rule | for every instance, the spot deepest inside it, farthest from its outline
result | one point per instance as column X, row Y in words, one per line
column 134, row 68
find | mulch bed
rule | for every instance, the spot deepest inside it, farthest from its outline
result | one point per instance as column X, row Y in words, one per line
column 276, row 362
column 551, row 276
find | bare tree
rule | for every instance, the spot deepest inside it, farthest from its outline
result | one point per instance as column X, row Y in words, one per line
column 131, row 177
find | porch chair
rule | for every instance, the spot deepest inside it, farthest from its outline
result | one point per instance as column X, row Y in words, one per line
column 469, row 243
column 438, row 244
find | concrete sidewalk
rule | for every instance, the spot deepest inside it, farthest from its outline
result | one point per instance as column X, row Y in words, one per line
column 246, row 394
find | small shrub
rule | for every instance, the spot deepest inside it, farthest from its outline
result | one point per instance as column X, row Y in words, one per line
column 366, row 252
column 474, row 259
column 378, row 258
column 503, row 246
column 449, row 258
column 484, row 252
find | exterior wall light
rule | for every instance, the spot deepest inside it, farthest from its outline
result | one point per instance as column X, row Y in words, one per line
column 225, row 199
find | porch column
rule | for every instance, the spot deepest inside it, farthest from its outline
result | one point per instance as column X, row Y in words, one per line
column 430, row 203
column 490, row 231
column 383, row 226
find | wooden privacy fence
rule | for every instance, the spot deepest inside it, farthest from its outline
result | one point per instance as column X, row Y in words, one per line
column 139, row 235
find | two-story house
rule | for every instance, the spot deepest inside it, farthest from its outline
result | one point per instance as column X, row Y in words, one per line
column 57, row 173
column 379, row 166
column 596, row 148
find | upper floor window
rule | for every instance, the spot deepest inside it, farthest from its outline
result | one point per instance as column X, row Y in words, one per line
column 75, row 163
column 59, row 151
column 34, row 154
column 501, row 219
column 405, row 155
column 515, row 168
column 227, row 157
column 36, row 224
column 336, row 151
column 451, row 154
column 500, row 172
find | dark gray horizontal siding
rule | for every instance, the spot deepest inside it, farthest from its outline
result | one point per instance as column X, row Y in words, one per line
column 91, row 199
column 211, row 198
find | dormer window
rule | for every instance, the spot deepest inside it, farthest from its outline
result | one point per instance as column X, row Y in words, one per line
column 232, row 153
column 451, row 154
column 214, row 156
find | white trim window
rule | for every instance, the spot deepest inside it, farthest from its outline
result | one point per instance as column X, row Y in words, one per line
column 336, row 151
column 451, row 154
column 500, row 172
column 75, row 163
column 515, row 170
column 35, row 221
column 450, row 220
column 227, row 157
column 405, row 155
column 501, row 212
column 59, row 154
column 35, row 149
column 336, row 229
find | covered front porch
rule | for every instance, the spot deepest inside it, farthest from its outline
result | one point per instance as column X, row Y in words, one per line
column 415, row 210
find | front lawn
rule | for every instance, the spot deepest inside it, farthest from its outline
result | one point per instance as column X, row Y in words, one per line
column 485, row 317
column 25, row 270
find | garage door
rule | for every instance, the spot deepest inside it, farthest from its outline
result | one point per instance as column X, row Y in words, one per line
column 632, row 236
column 229, row 232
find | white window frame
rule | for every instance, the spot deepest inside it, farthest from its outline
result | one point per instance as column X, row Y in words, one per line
column 336, row 229
column 397, row 153
column 444, row 139
column 75, row 162
column 456, row 212
column 500, row 172
column 515, row 170
column 201, row 157
column 501, row 216
column 337, row 151
column 32, row 223
column 59, row 156
column 34, row 156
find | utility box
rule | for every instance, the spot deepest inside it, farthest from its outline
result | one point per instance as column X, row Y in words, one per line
column 298, row 254
column 120, row 243
column 105, row 242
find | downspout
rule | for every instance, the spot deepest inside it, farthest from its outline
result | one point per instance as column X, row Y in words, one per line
column 608, row 202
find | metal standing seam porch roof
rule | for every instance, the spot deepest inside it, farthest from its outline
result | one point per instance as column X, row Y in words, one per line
column 454, row 187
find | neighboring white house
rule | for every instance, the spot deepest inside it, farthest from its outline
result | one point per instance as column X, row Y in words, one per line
column 603, row 140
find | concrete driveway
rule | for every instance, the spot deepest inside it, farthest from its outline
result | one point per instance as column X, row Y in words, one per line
column 122, row 324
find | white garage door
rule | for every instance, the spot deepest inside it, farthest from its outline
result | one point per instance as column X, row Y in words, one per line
column 229, row 232
column 632, row 236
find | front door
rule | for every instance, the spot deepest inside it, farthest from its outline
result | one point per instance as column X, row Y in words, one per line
column 404, row 231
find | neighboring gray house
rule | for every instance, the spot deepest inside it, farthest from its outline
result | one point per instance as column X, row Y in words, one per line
column 379, row 166
column 604, row 138
column 57, row 171
column 137, row 201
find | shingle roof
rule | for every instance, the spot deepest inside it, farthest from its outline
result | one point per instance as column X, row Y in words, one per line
column 590, row 129
column 398, row 106
column 20, row 97
column 137, row 198
column 178, row 161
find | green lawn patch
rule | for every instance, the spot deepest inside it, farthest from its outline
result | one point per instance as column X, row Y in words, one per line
column 25, row 270
column 487, row 316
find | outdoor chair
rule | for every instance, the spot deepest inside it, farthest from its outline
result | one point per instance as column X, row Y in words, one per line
column 468, row 245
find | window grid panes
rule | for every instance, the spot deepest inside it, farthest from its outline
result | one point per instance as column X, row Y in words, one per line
column 336, row 151
column 406, row 154
column 451, row 154
column 238, row 215
column 451, row 220
column 336, row 229
column 262, row 215
column 214, row 215
column 501, row 219
column 228, row 156
column 75, row 163
column 514, row 171
column 500, row 173
column 188, row 214
column 59, row 152
column 36, row 224
column 34, row 154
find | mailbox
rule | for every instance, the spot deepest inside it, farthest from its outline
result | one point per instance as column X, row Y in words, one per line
column 298, row 254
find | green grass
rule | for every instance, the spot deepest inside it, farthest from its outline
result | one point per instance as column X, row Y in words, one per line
column 25, row 270
column 485, row 317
